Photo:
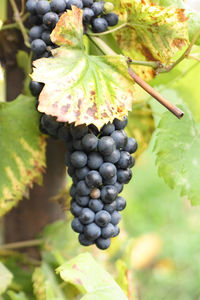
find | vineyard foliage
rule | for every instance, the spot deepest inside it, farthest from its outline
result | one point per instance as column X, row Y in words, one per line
column 85, row 85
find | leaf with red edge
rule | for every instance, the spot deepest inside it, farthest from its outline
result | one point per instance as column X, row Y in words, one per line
column 78, row 87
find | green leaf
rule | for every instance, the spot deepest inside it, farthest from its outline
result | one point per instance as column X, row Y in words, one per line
column 90, row 278
column 45, row 284
column 24, row 62
column 78, row 87
column 5, row 278
column 17, row 296
column 22, row 150
column 154, row 32
column 177, row 148
column 141, row 126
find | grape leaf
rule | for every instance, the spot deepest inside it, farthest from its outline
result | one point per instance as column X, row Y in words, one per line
column 17, row 296
column 154, row 32
column 82, row 88
column 45, row 284
column 22, row 150
column 91, row 279
column 5, row 278
column 192, row 14
column 177, row 148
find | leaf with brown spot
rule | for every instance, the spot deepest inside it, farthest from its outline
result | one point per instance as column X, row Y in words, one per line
column 22, row 150
column 78, row 87
column 154, row 32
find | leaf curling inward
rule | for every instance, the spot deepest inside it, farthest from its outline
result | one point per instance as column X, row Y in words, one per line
column 78, row 87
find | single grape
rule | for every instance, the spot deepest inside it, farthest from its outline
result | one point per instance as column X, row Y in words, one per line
column 38, row 46
column 49, row 124
column 88, row 14
column 113, row 157
column 102, row 218
column 82, row 200
column 112, row 19
column 82, row 172
column 95, row 193
column 77, row 144
column 50, row 19
column 42, row 7
column 76, row 225
column 108, row 129
column 103, row 244
column 77, row 3
column 124, row 161
column 82, row 189
column 92, row 231
column 107, row 170
column 120, row 203
column 120, row 138
column 131, row 145
column 115, row 217
column 95, row 205
column 35, row 20
column 86, row 216
column 78, row 131
column 31, row 6
column 95, row 160
column 94, row 129
column 58, row 6
column 110, row 207
column 117, row 231
column 120, row 124
column 75, row 209
column 89, row 142
column 36, row 88
column 93, row 179
column 110, row 181
column 106, row 145
column 78, row 159
column 87, row 3
column 46, row 37
column 119, row 187
column 124, row 176
column 83, row 241
column 108, row 231
column 35, row 32
column 108, row 194
column 97, row 8
column 99, row 25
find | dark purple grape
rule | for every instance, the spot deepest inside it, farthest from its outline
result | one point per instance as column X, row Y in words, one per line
column 93, row 179
column 108, row 231
column 109, row 194
column 99, row 25
column 77, row 226
column 92, row 231
column 86, row 216
column 95, row 205
column 102, row 244
column 102, row 218
column 112, row 20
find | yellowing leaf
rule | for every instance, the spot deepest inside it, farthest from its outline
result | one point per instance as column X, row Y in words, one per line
column 22, row 150
column 154, row 32
column 78, row 87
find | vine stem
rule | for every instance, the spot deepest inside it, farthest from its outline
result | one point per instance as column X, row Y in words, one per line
column 151, row 91
column 109, row 31
column 19, row 22
column 171, row 107
column 23, row 244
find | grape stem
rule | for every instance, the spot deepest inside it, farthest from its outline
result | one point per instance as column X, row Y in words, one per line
column 151, row 91
column 19, row 21
column 109, row 31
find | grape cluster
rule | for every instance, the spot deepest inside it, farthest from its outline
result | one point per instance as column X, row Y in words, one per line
column 44, row 15
column 99, row 163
